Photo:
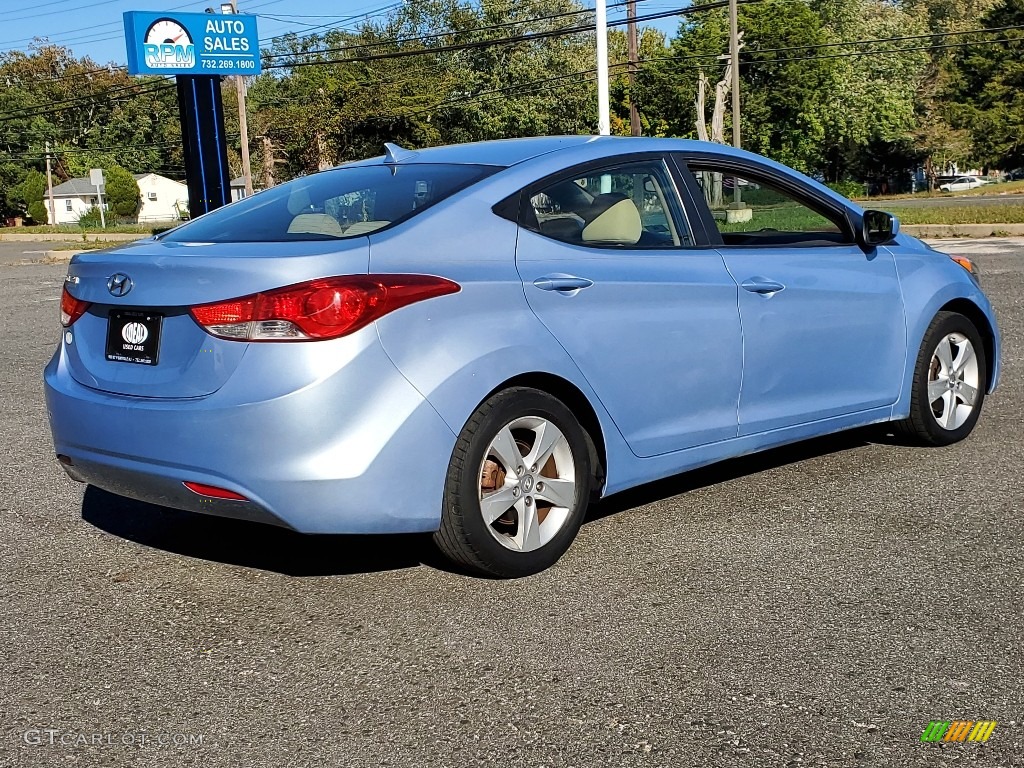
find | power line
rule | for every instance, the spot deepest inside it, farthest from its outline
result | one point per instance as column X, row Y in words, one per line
column 94, row 26
column 396, row 41
column 72, row 103
column 528, row 37
column 524, row 87
column 816, row 46
column 330, row 25
column 89, row 5
column 517, row 88
column 843, row 55
column 70, row 76
column 88, row 150
column 99, row 37
column 435, row 35
column 505, row 25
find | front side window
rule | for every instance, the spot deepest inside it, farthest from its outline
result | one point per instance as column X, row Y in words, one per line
column 766, row 215
column 331, row 205
column 627, row 206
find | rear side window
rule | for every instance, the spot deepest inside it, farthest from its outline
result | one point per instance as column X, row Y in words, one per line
column 628, row 206
column 332, row 205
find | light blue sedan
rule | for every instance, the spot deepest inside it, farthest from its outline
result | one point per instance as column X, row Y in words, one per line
column 478, row 340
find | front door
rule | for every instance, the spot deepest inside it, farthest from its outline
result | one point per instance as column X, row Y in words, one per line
column 824, row 332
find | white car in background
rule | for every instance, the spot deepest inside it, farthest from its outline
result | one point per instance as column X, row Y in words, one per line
column 963, row 183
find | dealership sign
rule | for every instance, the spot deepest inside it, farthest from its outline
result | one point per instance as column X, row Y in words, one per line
column 191, row 44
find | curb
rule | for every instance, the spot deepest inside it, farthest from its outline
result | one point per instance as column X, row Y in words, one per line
column 61, row 237
column 963, row 230
column 59, row 257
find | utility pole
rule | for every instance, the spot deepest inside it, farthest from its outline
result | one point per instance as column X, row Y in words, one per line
column 243, row 122
column 243, row 127
column 268, row 162
column 734, row 53
column 49, row 187
column 604, row 125
column 634, row 113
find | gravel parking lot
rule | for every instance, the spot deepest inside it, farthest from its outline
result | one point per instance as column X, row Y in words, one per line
column 811, row 606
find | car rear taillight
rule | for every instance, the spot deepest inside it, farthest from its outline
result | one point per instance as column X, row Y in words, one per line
column 71, row 308
column 325, row 308
column 213, row 492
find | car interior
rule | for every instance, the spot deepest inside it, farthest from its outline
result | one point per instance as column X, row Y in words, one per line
column 568, row 212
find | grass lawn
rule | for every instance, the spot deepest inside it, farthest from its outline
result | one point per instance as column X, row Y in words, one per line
column 1007, row 188
column 959, row 214
column 794, row 218
column 73, row 229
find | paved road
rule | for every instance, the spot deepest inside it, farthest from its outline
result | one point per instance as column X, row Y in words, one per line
column 815, row 606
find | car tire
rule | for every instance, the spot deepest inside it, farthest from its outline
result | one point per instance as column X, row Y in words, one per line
column 950, row 376
column 518, row 486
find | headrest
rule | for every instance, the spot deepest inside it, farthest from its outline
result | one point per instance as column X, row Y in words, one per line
column 299, row 201
column 315, row 224
column 613, row 219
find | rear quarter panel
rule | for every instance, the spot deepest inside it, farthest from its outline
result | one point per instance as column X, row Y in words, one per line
column 457, row 349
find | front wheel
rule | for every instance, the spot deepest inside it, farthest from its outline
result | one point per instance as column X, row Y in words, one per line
column 949, row 382
column 517, row 486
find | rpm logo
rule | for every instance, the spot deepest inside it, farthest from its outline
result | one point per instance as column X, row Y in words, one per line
column 168, row 45
column 134, row 333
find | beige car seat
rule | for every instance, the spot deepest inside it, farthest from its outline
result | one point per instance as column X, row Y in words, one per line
column 613, row 219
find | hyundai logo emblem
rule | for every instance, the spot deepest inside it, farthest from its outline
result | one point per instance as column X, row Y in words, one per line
column 119, row 284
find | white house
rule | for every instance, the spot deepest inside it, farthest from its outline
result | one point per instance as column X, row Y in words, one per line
column 238, row 189
column 163, row 199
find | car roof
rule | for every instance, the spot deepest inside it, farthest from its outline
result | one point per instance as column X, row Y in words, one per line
column 508, row 152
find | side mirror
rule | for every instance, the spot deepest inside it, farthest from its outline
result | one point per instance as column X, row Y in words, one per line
column 878, row 228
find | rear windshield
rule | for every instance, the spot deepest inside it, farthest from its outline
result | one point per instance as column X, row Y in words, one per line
column 332, row 205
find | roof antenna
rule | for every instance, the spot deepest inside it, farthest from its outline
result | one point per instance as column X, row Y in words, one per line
column 394, row 154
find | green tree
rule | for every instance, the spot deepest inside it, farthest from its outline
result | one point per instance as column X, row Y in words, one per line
column 783, row 100
column 988, row 90
column 325, row 108
column 32, row 191
column 11, row 201
column 122, row 192
column 870, row 105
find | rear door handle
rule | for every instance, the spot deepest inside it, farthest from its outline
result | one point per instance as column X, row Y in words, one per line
column 761, row 285
column 563, row 283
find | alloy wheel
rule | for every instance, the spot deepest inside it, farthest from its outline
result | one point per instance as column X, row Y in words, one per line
column 953, row 381
column 527, row 484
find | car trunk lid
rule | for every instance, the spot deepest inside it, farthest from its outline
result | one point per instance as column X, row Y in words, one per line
column 165, row 353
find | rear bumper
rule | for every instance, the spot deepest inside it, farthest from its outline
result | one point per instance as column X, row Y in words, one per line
column 348, row 446
column 147, row 482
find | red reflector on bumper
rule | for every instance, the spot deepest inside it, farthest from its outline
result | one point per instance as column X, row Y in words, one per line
column 214, row 492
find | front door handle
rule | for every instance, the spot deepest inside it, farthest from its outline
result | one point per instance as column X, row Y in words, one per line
column 762, row 285
column 565, row 283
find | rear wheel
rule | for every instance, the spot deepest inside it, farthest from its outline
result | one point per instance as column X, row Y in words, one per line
column 949, row 382
column 517, row 485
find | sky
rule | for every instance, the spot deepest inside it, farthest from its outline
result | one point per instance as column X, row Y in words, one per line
column 95, row 28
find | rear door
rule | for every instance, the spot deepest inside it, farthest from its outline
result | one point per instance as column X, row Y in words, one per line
column 611, row 267
column 823, row 319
